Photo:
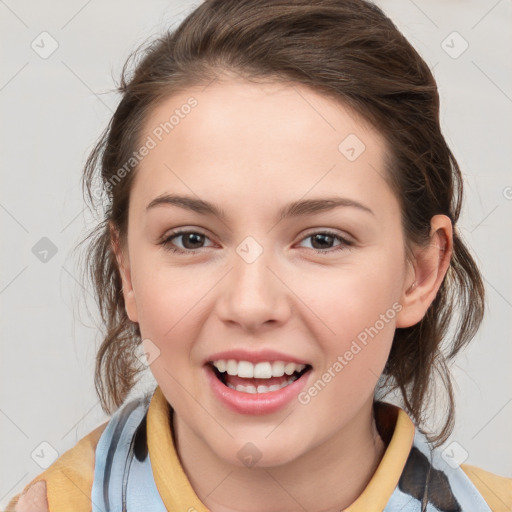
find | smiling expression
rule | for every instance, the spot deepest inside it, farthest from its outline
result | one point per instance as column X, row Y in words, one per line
column 294, row 246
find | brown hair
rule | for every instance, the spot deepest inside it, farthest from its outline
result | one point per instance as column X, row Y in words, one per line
column 349, row 50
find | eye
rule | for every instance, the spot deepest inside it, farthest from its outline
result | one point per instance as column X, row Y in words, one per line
column 322, row 242
column 191, row 240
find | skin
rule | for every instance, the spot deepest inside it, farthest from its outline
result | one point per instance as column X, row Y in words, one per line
column 251, row 149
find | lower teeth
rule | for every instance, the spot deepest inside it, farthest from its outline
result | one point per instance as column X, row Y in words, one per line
column 261, row 388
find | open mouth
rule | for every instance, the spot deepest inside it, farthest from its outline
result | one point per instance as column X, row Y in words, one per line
column 263, row 377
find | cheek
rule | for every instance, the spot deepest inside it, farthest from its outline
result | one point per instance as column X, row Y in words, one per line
column 170, row 317
column 354, row 357
column 357, row 308
column 351, row 300
column 164, row 300
column 169, row 303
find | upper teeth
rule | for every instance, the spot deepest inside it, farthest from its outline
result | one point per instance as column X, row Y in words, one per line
column 263, row 370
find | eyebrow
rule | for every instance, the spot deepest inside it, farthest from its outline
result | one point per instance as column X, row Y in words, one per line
column 294, row 209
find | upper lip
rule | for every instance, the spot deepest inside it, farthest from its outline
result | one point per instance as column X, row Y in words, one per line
column 255, row 356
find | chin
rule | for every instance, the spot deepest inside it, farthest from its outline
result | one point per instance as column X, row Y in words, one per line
column 260, row 452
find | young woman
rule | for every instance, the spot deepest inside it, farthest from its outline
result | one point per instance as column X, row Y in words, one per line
column 281, row 239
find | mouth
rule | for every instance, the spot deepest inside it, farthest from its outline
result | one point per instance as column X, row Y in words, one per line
column 265, row 377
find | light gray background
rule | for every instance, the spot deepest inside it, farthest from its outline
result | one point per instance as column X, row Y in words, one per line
column 54, row 108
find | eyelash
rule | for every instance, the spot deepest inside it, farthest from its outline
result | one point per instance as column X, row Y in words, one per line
column 344, row 245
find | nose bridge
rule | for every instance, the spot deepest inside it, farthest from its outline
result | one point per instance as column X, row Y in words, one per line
column 253, row 295
column 252, row 281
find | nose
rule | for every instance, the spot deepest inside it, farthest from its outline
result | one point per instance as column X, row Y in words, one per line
column 254, row 295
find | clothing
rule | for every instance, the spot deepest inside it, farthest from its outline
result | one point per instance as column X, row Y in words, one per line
column 130, row 463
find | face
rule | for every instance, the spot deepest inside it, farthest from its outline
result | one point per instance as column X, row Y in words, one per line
column 284, row 255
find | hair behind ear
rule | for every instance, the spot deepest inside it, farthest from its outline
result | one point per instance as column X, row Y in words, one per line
column 418, row 362
column 429, row 262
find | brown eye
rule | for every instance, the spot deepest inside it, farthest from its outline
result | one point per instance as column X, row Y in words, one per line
column 190, row 241
column 322, row 242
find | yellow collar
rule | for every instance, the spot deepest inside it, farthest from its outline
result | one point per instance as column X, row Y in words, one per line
column 177, row 492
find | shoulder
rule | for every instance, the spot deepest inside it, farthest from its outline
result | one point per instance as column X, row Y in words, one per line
column 432, row 473
column 71, row 475
column 495, row 489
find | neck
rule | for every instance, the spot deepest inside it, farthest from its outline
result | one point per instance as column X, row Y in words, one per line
column 327, row 478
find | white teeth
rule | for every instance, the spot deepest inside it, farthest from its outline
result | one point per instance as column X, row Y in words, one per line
column 245, row 369
column 263, row 370
column 277, row 369
column 289, row 368
column 221, row 366
column 261, row 389
column 231, row 367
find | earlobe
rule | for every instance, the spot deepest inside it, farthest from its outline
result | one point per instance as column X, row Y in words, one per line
column 428, row 271
column 123, row 265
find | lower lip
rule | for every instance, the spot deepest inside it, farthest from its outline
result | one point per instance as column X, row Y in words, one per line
column 255, row 403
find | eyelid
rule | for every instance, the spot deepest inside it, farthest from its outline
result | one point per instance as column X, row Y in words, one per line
column 166, row 238
column 346, row 243
column 329, row 231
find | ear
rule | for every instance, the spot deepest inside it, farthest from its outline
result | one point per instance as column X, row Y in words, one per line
column 123, row 264
column 427, row 272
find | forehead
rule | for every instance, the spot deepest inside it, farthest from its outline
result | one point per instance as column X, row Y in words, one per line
column 270, row 111
column 242, row 136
